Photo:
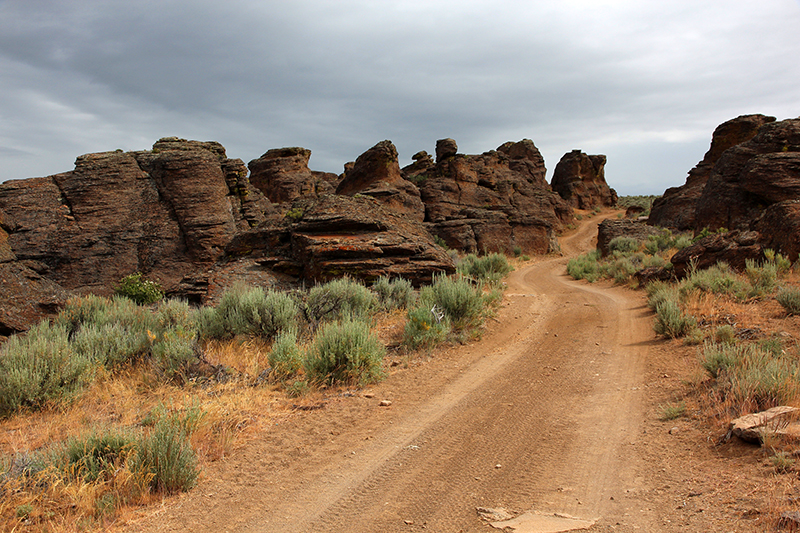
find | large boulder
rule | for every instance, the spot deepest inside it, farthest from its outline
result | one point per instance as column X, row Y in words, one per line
column 332, row 236
column 580, row 180
column 166, row 212
column 492, row 202
column 676, row 208
column 733, row 248
column 751, row 176
column 377, row 173
column 282, row 174
column 610, row 229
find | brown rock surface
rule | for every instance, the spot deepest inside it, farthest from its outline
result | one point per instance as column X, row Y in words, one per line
column 676, row 208
column 751, row 176
column 332, row 236
column 493, row 201
column 779, row 227
column 580, row 180
column 733, row 248
column 282, row 174
column 377, row 173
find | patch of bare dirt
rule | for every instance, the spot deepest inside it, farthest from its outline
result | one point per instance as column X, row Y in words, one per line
column 555, row 411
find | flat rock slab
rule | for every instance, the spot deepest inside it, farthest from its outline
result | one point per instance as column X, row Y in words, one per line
column 776, row 421
column 533, row 522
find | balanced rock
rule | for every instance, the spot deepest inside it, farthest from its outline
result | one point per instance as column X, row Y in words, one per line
column 445, row 148
column 676, row 207
column 580, row 180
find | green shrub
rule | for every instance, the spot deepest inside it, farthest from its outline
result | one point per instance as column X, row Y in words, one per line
column 345, row 352
column 96, row 456
column 111, row 345
column 789, row 298
column 623, row 244
column 140, row 290
column 251, row 311
column 425, row 328
column 660, row 291
column 671, row 321
column 585, row 266
column 393, row 294
column 285, row 357
column 165, row 455
column 99, row 311
column 339, row 299
column 492, row 267
column 458, row 299
column 725, row 333
column 763, row 277
column 173, row 350
column 40, row 368
column 621, row 269
column 718, row 279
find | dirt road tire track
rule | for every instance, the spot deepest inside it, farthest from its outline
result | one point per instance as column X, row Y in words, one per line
column 542, row 414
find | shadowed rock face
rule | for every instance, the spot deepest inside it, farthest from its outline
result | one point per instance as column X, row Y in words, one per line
column 676, row 208
column 490, row 202
column 580, row 180
column 331, row 236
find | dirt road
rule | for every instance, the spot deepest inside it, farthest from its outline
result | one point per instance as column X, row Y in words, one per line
column 544, row 415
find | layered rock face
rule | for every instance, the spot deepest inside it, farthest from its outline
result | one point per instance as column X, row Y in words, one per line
column 331, row 236
column 580, row 180
column 165, row 212
column 490, row 202
column 676, row 208
column 282, row 174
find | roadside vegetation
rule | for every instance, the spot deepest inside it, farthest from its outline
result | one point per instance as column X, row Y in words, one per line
column 119, row 401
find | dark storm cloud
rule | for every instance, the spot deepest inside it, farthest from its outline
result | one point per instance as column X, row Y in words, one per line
column 643, row 82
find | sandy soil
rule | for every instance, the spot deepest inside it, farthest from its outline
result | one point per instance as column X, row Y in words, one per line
column 554, row 411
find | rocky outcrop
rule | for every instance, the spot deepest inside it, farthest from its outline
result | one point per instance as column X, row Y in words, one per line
column 733, row 248
column 491, row 202
column 376, row 173
column 752, row 176
column 676, row 208
column 779, row 228
column 580, row 180
column 165, row 212
column 332, row 236
column 282, row 174
column 610, row 229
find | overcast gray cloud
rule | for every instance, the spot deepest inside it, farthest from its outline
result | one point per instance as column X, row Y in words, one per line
column 644, row 82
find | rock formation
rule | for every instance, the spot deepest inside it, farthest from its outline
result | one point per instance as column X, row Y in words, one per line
column 282, row 174
column 580, row 180
column 376, row 173
column 733, row 248
column 332, row 236
column 491, row 202
column 676, row 208
column 610, row 229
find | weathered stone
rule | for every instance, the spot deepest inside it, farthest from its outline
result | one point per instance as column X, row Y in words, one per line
column 610, row 229
column 445, row 148
column 779, row 228
column 493, row 202
column 676, row 208
column 377, row 173
column 733, row 248
column 282, row 174
column 776, row 421
column 26, row 297
column 332, row 236
column 580, row 180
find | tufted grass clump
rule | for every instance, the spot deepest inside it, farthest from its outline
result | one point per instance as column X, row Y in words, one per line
column 345, row 351
column 425, row 328
column 718, row 279
column 671, row 411
column 789, row 298
column 250, row 311
column 96, row 456
column 624, row 244
column 339, row 299
column 461, row 301
column 139, row 289
column 585, row 266
column 492, row 267
column 285, row 358
column 750, row 376
column 671, row 321
column 394, row 293
column 40, row 368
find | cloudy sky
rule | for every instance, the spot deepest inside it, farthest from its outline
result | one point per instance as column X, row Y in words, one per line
column 643, row 81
